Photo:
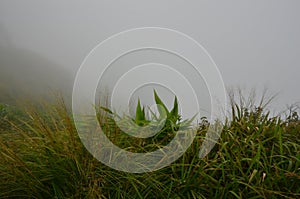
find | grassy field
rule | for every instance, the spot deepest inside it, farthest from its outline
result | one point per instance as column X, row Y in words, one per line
column 41, row 156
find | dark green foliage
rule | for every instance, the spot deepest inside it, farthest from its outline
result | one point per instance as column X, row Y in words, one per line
column 172, row 119
column 140, row 118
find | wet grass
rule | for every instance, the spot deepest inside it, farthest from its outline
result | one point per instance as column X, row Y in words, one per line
column 41, row 156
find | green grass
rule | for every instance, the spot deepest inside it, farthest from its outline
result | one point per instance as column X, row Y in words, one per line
column 41, row 156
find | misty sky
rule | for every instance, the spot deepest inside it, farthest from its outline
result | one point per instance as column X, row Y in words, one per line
column 254, row 43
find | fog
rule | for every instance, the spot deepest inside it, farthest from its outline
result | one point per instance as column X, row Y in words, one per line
column 254, row 43
column 27, row 75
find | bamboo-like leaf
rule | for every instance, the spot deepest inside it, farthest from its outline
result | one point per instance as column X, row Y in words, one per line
column 174, row 112
column 162, row 109
column 188, row 122
column 140, row 114
column 106, row 109
column 143, row 111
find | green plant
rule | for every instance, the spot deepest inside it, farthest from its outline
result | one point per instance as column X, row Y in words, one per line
column 140, row 117
column 256, row 156
column 171, row 119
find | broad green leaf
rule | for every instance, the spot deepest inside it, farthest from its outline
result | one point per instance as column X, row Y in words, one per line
column 162, row 109
column 140, row 114
column 174, row 112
